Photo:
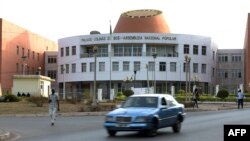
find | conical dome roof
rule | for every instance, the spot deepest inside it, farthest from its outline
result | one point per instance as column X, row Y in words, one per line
column 142, row 21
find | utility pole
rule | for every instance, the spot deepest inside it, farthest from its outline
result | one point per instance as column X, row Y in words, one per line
column 94, row 92
column 154, row 56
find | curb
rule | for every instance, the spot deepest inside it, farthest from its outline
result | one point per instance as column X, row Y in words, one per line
column 4, row 135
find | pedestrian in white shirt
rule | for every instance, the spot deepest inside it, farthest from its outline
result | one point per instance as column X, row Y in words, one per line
column 240, row 97
column 53, row 106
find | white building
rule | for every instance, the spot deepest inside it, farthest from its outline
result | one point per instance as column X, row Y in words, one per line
column 123, row 56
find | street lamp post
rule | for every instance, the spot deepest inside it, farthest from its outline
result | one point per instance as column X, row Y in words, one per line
column 64, row 95
column 134, row 78
column 147, row 78
column 187, row 61
column 154, row 56
column 94, row 93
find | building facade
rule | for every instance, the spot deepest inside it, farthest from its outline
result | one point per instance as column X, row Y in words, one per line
column 21, row 52
column 230, row 69
column 137, row 57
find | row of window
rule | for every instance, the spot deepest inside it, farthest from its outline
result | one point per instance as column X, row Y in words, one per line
column 133, row 50
column 137, row 67
column 234, row 58
column 25, row 69
column 235, row 73
column 195, row 49
column 24, row 56
column 67, row 51
column 52, row 59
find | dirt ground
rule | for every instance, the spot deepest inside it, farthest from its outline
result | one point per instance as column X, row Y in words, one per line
column 24, row 107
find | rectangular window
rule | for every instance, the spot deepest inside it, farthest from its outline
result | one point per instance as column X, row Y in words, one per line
column 52, row 74
column 73, row 68
column 213, row 72
column 162, row 66
column 195, row 49
column 33, row 55
column 137, row 66
column 52, row 59
column 22, row 51
column 38, row 56
column 17, row 50
column 195, row 67
column 213, row 55
column 186, row 49
column 203, row 68
column 62, row 69
column 125, row 66
column 236, row 58
column 67, row 68
column 204, row 50
column 101, row 66
column 115, row 66
column 225, row 74
column 151, row 66
column 172, row 66
column 67, row 51
column 137, row 51
column 62, row 52
column 186, row 66
column 223, row 58
column 84, row 67
column 239, row 74
column 91, row 68
column 73, row 50
column 128, row 51
column 28, row 53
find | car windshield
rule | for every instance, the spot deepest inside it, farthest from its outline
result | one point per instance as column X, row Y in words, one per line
column 150, row 102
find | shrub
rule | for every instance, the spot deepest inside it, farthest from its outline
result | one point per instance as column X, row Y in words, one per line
column 38, row 100
column 120, row 96
column 222, row 94
column 11, row 98
column 181, row 92
column 128, row 93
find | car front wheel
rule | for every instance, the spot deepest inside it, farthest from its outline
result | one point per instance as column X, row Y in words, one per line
column 111, row 133
column 153, row 130
column 177, row 126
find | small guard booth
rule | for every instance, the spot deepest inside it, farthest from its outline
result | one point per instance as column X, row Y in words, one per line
column 33, row 85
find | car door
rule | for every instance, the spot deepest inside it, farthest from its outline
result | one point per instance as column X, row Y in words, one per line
column 164, row 113
column 172, row 112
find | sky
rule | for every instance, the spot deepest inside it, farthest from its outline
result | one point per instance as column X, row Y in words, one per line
column 222, row 20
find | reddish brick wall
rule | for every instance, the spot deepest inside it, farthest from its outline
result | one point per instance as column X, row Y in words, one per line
column 13, row 36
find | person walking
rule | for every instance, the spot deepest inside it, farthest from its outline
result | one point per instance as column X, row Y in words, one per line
column 195, row 97
column 240, row 97
column 53, row 106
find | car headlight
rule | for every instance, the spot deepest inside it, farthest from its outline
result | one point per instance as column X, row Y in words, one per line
column 109, row 118
column 141, row 119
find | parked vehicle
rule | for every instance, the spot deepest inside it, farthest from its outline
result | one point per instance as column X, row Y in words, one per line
column 146, row 113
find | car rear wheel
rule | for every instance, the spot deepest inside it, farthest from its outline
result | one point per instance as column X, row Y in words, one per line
column 111, row 133
column 177, row 126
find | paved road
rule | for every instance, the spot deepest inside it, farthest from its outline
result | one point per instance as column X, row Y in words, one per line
column 198, row 126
